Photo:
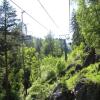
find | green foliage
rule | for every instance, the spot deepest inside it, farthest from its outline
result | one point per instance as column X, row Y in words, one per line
column 89, row 22
column 76, row 56
column 10, row 17
column 29, row 56
column 48, row 67
column 49, row 44
column 89, row 74
column 92, row 72
column 9, row 51
column 47, row 75
column 77, row 36
column 38, row 70
column 39, row 91
column 38, row 45
column 31, row 63
column 60, row 66
column 13, row 95
column 49, row 61
column 51, row 66
column 72, row 82
column 58, row 48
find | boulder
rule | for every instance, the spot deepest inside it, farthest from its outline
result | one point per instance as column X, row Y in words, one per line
column 78, row 67
column 61, row 93
column 90, row 58
column 87, row 91
column 97, row 58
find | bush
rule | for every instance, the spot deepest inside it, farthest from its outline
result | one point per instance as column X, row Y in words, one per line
column 77, row 55
column 90, row 74
column 39, row 91
column 60, row 66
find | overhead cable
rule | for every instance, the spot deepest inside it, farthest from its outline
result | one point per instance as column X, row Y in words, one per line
column 29, row 15
column 47, row 13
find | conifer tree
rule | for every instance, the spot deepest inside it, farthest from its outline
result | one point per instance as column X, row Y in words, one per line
column 8, row 45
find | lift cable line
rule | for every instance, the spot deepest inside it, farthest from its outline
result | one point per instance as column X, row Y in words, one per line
column 29, row 15
column 47, row 13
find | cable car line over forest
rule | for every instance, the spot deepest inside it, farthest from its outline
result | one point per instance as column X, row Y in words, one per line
column 34, row 18
column 29, row 15
column 47, row 13
column 33, row 68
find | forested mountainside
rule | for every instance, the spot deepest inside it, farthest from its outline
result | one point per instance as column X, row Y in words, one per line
column 47, row 69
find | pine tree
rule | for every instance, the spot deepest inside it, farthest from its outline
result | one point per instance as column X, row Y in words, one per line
column 10, row 16
column 8, row 45
column 77, row 36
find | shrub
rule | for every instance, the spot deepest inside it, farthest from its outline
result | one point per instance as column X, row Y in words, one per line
column 60, row 66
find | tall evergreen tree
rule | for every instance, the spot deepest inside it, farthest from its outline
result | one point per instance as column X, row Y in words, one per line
column 77, row 36
column 89, row 21
column 10, row 16
column 9, row 45
column 49, row 44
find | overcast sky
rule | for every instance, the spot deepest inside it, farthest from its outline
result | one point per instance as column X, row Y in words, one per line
column 58, row 9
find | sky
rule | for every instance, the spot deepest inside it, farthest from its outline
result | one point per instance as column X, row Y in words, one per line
column 58, row 10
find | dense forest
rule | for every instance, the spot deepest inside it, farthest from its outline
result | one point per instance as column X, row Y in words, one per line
column 51, row 69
